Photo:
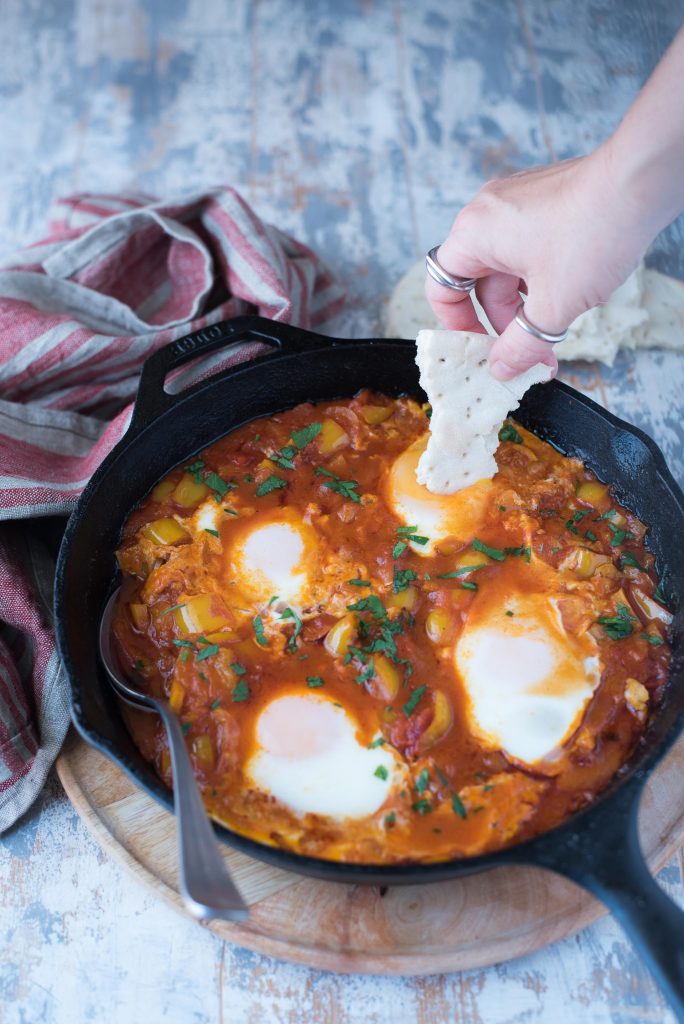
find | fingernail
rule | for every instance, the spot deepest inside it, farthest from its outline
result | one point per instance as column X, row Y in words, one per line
column 500, row 370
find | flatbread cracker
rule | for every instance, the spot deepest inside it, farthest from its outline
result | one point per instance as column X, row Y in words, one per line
column 468, row 407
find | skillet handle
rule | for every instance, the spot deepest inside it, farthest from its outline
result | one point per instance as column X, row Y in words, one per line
column 152, row 399
column 611, row 865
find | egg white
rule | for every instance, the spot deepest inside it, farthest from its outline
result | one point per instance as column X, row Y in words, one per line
column 435, row 516
column 309, row 758
column 527, row 680
column 270, row 558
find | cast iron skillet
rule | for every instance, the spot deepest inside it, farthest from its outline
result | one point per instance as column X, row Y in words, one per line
column 599, row 847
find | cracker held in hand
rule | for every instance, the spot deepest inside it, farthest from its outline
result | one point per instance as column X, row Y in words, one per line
column 468, row 407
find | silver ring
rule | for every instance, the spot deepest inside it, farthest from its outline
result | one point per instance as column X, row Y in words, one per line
column 443, row 277
column 536, row 332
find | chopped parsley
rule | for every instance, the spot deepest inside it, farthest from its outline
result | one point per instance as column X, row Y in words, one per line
column 399, row 548
column 659, row 595
column 196, row 469
column 219, row 486
column 300, row 438
column 381, row 773
column 390, row 818
column 520, row 551
column 619, row 626
column 214, row 533
column 653, row 639
column 346, row 488
column 423, row 781
column 412, row 702
column 237, row 668
column 184, row 655
column 403, row 579
column 494, row 553
column 173, row 608
column 377, row 742
column 289, row 613
column 260, row 635
column 619, row 536
column 422, row 806
column 461, row 572
column 184, row 643
column 240, row 692
column 458, row 806
column 231, row 512
column 370, row 604
column 626, row 558
column 360, row 583
column 273, row 600
column 590, row 535
column 606, row 515
column 271, row 483
column 469, row 586
column 139, row 665
column 442, row 777
column 410, row 533
column 185, row 728
column 313, row 682
column 509, row 613
column 214, row 705
column 208, row 652
column 509, row 433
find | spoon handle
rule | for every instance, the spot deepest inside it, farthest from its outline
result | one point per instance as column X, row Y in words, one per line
column 205, row 884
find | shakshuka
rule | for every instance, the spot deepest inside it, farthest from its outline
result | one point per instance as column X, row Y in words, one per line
column 369, row 672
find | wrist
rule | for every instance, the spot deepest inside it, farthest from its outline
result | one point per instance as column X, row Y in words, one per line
column 642, row 180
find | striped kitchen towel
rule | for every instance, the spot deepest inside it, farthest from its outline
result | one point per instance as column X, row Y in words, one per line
column 118, row 277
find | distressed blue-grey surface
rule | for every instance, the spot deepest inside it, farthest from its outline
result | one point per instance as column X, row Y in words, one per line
column 361, row 127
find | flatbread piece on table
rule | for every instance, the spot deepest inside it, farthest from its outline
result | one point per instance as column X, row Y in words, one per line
column 468, row 407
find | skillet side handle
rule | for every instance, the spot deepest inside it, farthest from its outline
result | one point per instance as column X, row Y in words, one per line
column 152, row 399
column 611, row 865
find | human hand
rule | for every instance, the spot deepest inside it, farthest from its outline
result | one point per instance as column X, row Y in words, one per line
column 567, row 235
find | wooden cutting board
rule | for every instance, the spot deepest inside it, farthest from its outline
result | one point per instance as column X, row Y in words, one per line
column 409, row 930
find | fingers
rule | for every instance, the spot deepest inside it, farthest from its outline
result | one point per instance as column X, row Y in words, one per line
column 516, row 350
column 455, row 309
column 500, row 298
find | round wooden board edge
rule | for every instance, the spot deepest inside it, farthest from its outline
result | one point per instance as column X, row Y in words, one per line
column 336, row 961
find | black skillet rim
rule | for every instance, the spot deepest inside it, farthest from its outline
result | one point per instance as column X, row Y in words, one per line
column 546, row 849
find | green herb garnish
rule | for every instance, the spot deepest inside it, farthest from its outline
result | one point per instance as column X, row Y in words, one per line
column 627, row 558
column 271, row 483
column 509, row 433
column 173, row 608
column 655, row 641
column 494, row 553
column 347, row 488
column 260, row 635
column 184, row 643
column 185, row 728
column 219, row 486
column 422, row 806
column 399, row 548
column 240, row 692
column 214, row 705
column 458, row 806
column 423, row 781
column 313, row 682
column 208, row 652
column 360, row 583
column 412, row 702
column 619, row 626
column 301, row 438
column 390, row 818
column 403, row 579
column 377, row 742
column 590, row 535
column 237, row 668
column 289, row 613
column 214, row 533
column 619, row 536
column 381, row 773
column 469, row 586
column 461, row 572
column 139, row 665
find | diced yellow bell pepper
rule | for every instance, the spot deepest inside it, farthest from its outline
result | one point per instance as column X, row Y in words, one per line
column 140, row 615
column 203, row 749
column 441, row 723
column 162, row 490
column 201, row 614
column 650, row 608
column 407, row 599
column 385, row 678
column 437, row 625
column 176, row 696
column 592, row 492
column 374, row 414
column 188, row 492
column 340, row 636
column 331, row 437
column 165, row 531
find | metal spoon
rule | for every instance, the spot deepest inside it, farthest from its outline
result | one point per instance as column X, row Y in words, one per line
column 205, row 884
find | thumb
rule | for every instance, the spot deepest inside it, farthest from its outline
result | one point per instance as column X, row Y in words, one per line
column 515, row 351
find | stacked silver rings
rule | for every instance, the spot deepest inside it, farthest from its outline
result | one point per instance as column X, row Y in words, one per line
column 466, row 284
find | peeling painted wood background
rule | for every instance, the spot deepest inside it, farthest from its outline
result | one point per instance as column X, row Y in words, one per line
column 361, row 127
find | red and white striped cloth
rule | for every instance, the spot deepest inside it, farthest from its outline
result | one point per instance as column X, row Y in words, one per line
column 118, row 277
